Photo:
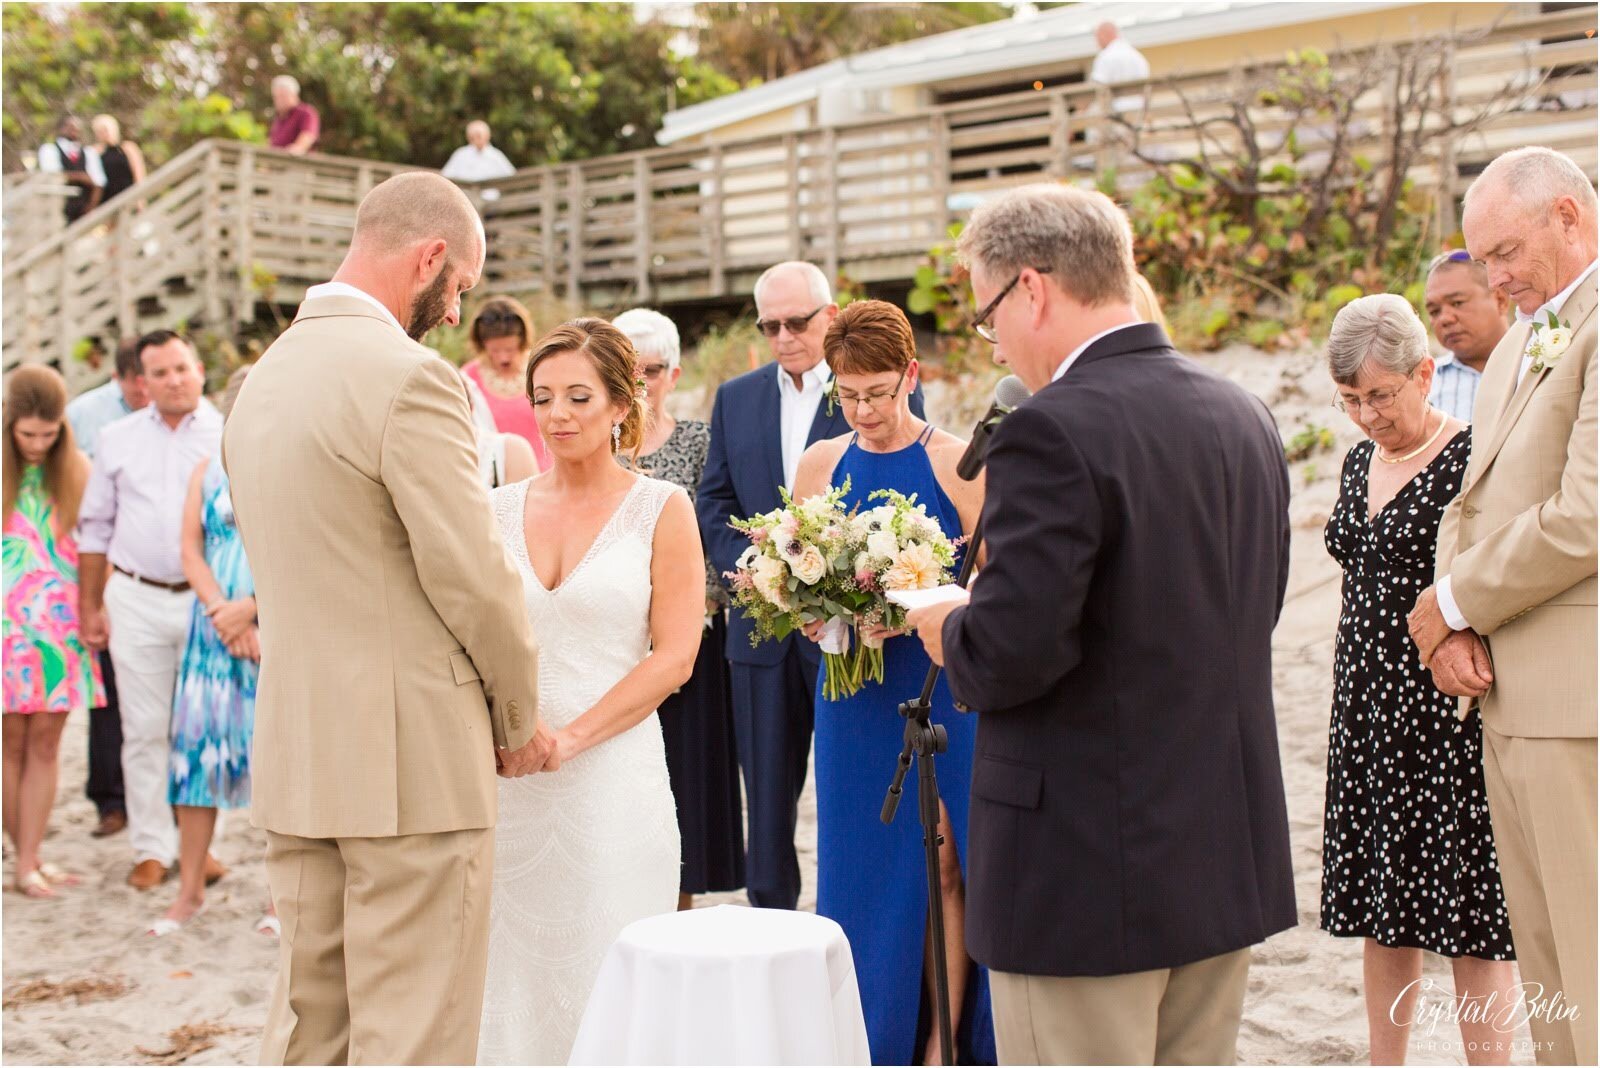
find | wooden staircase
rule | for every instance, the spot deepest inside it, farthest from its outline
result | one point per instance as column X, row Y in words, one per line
column 226, row 225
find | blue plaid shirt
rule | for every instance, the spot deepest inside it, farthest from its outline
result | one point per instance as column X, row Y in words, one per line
column 91, row 412
column 1455, row 387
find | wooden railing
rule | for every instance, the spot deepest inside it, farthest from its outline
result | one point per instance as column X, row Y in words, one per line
column 225, row 225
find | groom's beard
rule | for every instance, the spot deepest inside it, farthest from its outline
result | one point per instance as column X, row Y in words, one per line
column 428, row 310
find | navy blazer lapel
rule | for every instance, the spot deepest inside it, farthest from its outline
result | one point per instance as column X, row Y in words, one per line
column 769, row 417
column 828, row 422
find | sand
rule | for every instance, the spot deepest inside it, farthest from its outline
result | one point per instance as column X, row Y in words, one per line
column 1304, row 1003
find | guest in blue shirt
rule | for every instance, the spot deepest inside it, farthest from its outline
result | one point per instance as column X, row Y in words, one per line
column 1468, row 319
column 91, row 412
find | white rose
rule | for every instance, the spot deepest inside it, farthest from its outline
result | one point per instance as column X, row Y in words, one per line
column 1553, row 341
column 883, row 543
column 811, row 566
column 772, row 580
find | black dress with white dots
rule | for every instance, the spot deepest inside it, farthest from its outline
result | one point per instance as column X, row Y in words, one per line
column 1407, row 852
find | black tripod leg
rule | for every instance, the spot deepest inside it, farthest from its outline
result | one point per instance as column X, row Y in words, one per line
column 928, row 803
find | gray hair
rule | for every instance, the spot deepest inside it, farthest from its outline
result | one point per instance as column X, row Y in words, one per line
column 288, row 81
column 821, row 291
column 652, row 334
column 1079, row 237
column 1537, row 177
column 1382, row 329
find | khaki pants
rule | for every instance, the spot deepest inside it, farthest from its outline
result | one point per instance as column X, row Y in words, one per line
column 1185, row 1015
column 1542, row 804
column 385, row 944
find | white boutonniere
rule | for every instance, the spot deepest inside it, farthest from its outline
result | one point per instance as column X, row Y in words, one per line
column 1550, row 340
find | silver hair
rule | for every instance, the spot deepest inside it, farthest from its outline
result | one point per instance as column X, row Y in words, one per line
column 1079, row 237
column 1537, row 177
column 821, row 291
column 1382, row 329
column 652, row 334
column 289, row 81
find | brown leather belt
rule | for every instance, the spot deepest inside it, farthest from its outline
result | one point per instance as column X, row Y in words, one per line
column 170, row 587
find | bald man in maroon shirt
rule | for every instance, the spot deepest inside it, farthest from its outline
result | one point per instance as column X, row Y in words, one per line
column 296, row 126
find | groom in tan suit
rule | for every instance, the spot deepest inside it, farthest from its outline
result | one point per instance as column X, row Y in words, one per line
column 1511, row 620
column 397, row 671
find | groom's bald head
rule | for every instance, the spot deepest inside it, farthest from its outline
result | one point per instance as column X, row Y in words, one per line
column 417, row 207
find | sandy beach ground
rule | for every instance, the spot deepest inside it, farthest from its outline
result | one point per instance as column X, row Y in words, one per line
column 1304, row 1004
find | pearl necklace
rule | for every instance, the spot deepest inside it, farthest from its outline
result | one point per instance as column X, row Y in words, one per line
column 1420, row 449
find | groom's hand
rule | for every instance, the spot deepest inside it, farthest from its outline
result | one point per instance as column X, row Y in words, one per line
column 538, row 755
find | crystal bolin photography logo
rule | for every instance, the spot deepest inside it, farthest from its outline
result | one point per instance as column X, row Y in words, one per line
column 1504, row 1016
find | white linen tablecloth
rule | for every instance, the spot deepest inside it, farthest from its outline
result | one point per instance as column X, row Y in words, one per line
column 726, row 985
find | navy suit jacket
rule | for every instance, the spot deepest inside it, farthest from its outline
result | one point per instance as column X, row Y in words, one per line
column 743, row 471
column 1127, row 803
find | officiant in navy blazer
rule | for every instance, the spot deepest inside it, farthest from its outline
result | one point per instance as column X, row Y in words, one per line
column 761, row 423
column 1128, row 838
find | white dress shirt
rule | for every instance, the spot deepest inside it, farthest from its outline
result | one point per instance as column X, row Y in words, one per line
column 471, row 164
column 1447, row 602
column 133, row 506
column 344, row 289
column 797, row 411
column 52, row 160
column 1073, row 358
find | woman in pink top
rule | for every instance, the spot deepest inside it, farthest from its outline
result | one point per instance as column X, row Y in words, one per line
column 501, row 337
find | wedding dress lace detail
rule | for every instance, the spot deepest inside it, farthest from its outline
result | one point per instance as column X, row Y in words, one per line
column 584, row 851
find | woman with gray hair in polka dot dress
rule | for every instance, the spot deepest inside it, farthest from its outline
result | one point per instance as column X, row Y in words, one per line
column 1408, row 858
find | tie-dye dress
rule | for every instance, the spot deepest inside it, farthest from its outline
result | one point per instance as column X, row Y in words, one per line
column 47, row 668
column 214, row 704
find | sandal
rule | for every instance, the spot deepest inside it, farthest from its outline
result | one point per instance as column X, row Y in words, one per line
column 268, row 924
column 166, row 925
column 34, row 884
column 59, row 877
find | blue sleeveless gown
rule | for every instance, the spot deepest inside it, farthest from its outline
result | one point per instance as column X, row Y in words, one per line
column 871, row 878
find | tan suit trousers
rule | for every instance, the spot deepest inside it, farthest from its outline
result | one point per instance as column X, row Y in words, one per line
column 1542, row 804
column 1184, row 1015
column 385, row 944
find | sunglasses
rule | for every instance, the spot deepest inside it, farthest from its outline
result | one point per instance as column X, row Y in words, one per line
column 496, row 316
column 795, row 323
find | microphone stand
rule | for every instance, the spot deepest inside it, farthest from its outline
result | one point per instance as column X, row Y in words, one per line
column 925, row 739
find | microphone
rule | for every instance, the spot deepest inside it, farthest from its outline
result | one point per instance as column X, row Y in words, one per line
column 1008, row 393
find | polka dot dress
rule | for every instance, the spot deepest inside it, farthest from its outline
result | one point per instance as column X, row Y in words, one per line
column 1407, row 854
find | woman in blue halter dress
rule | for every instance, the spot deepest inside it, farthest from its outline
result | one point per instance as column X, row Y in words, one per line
column 871, row 878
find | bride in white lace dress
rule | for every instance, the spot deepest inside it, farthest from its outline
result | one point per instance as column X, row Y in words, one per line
column 614, row 580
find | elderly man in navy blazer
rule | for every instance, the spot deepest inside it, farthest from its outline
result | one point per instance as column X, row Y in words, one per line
column 1129, row 841
column 761, row 423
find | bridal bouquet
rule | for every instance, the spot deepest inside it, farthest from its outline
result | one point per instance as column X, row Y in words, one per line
column 795, row 571
column 898, row 546
column 811, row 561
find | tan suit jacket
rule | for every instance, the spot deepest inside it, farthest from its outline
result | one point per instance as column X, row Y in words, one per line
column 396, row 650
column 1519, row 541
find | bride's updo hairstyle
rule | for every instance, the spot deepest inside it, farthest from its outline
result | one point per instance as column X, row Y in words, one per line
column 614, row 360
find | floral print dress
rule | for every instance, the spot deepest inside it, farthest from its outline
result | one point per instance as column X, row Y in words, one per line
column 47, row 668
column 214, row 705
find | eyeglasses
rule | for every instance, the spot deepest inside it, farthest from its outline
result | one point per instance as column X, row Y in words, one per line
column 1455, row 255
column 1380, row 401
column 980, row 325
column 795, row 323
column 876, row 401
column 652, row 371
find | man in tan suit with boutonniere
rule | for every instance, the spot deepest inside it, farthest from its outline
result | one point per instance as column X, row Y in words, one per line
column 398, row 671
column 1510, row 622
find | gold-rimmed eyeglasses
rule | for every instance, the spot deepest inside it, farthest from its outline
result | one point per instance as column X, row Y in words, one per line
column 876, row 401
